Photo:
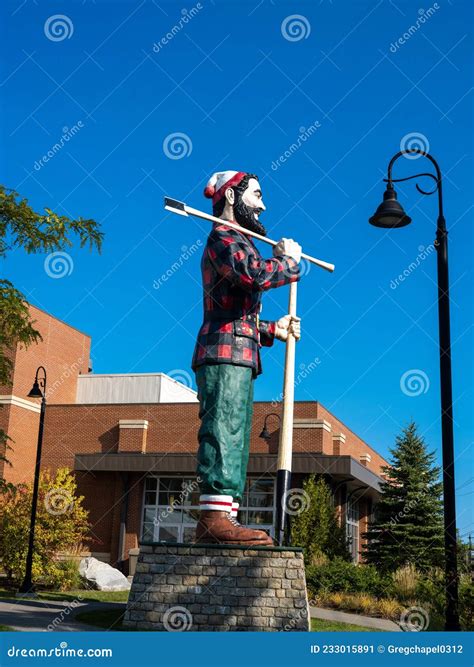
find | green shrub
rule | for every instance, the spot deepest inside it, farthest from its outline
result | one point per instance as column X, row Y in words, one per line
column 316, row 527
column 61, row 523
column 63, row 575
column 430, row 588
column 340, row 576
column 466, row 602
column 430, row 591
column 361, row 588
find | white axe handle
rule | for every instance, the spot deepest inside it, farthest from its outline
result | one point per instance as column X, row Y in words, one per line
column 182, row 209
column 286, row 433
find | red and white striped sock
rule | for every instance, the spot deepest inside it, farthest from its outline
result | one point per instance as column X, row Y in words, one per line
column 215, row 502
column 235, row 509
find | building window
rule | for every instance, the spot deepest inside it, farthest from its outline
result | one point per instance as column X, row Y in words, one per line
column 352, row 528
column 171, row 507
column 258, row 504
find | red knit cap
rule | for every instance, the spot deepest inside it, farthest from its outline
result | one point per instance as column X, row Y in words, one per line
column 220, row 181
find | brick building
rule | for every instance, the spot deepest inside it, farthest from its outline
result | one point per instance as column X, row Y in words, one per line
column 131, row 440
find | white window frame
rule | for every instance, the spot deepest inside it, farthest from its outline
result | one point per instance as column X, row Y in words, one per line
column 181, row 526
column 352, row 527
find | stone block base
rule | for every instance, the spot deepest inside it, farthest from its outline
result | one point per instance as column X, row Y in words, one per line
column 218, row 587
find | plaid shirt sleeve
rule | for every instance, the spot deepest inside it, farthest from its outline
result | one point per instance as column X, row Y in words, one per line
column 267, row 332
column 236, row 258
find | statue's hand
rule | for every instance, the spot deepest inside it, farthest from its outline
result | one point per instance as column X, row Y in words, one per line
column 288, row 247
column 286, row 324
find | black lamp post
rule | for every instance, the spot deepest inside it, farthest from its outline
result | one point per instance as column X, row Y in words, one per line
column 390, row 215
column 265, row 434
column 282, row 518
column 37, row 391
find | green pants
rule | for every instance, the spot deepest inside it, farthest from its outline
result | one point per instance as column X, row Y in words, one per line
column 225, row 395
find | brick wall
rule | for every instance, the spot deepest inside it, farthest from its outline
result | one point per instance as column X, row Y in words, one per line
column 64, row 352
column 353, row 446
column 173, row 427
column 22, row 427
column 99, row 499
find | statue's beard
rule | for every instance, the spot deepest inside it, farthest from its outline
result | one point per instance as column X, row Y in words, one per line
column 245, row 216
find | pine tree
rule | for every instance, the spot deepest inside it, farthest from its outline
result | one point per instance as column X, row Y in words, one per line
column 408, row 520
column 316, row 527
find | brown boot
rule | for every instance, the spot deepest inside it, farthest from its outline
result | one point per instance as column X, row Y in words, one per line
column 216, row 527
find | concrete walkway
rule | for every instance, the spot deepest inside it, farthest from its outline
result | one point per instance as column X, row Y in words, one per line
column 58, row 615
column 354, row 619
column 48, row 615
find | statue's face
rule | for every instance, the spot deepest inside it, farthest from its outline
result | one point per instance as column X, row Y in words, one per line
column 252, row 197
column 248, row 206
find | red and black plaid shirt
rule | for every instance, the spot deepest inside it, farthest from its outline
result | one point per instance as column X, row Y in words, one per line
column 234, row 275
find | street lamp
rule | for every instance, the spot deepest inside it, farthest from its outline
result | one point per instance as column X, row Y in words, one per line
column 37, row 391
column 265, row 434
column 390, row 215
column 282, row 525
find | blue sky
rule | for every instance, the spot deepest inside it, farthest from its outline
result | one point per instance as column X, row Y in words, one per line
column 242, row 81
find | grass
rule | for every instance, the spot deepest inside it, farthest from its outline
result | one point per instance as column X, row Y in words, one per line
column 108, row 619
column 5, row 628
column 85, row 594
column 319, row 625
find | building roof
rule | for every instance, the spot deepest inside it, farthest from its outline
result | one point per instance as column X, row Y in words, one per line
column 340, row 468
column 133, row 388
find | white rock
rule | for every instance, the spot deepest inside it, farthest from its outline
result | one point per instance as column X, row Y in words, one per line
column 102, row 575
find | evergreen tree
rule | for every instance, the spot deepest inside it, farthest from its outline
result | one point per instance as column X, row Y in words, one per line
column 316, row 527
column 408, row 519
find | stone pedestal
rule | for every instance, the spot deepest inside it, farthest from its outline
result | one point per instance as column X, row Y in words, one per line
column 180, row 587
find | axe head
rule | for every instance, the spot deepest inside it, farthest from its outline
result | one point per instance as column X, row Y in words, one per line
column 175, row 206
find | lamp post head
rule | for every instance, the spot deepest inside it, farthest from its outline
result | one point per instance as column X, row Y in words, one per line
column 390, row 213
column 265, row 434
column 35, row 391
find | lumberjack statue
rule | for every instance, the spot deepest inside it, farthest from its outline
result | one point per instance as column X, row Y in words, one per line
column 226, row 357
